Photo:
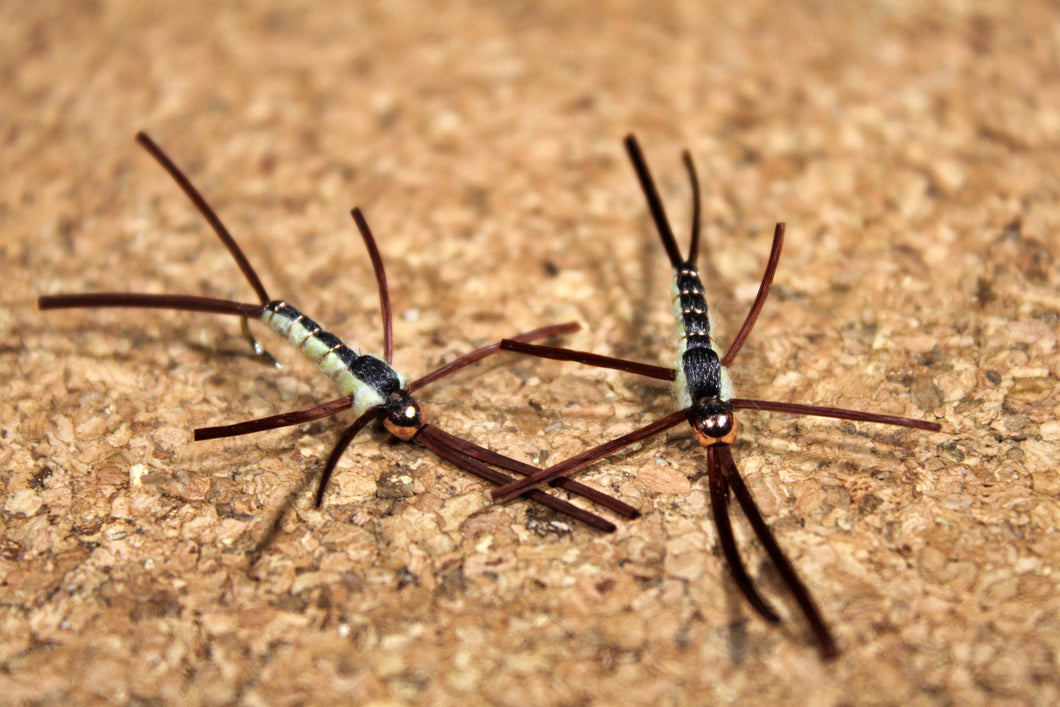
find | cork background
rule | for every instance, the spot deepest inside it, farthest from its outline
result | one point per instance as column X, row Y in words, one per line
column 912, row 149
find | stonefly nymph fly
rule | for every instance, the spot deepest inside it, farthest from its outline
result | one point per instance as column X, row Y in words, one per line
column 368, row 384
column 702, row 383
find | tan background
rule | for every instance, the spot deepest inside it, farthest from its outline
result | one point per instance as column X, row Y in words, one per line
column 912, row 150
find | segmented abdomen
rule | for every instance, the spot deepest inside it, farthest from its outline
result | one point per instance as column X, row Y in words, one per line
column 699, row 370
column 368, row 379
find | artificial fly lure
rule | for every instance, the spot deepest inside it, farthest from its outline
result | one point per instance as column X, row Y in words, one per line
column 368, row 384
column 705, row 392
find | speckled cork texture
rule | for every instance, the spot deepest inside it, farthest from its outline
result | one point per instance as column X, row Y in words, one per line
column 912, row 150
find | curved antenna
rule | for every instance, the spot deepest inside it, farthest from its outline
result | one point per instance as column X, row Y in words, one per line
column 658, row 213
column 836, row 413
column 825, row 641
column 586, row 458
column 208, row 213
column 187, row 303
column 719, row 506
column 557, row 353
column 380, row 279
column 490, row 349
column 437, row 445
column 336, row 452
column 470, row 449
column 760, row 298
column 693, row 248
column 272, row 422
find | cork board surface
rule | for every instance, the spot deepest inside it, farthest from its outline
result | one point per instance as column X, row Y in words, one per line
column 912, row 149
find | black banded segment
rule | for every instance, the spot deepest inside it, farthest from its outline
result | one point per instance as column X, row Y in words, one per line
column 703, row 373
column 376, row 374
column 332, row 342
